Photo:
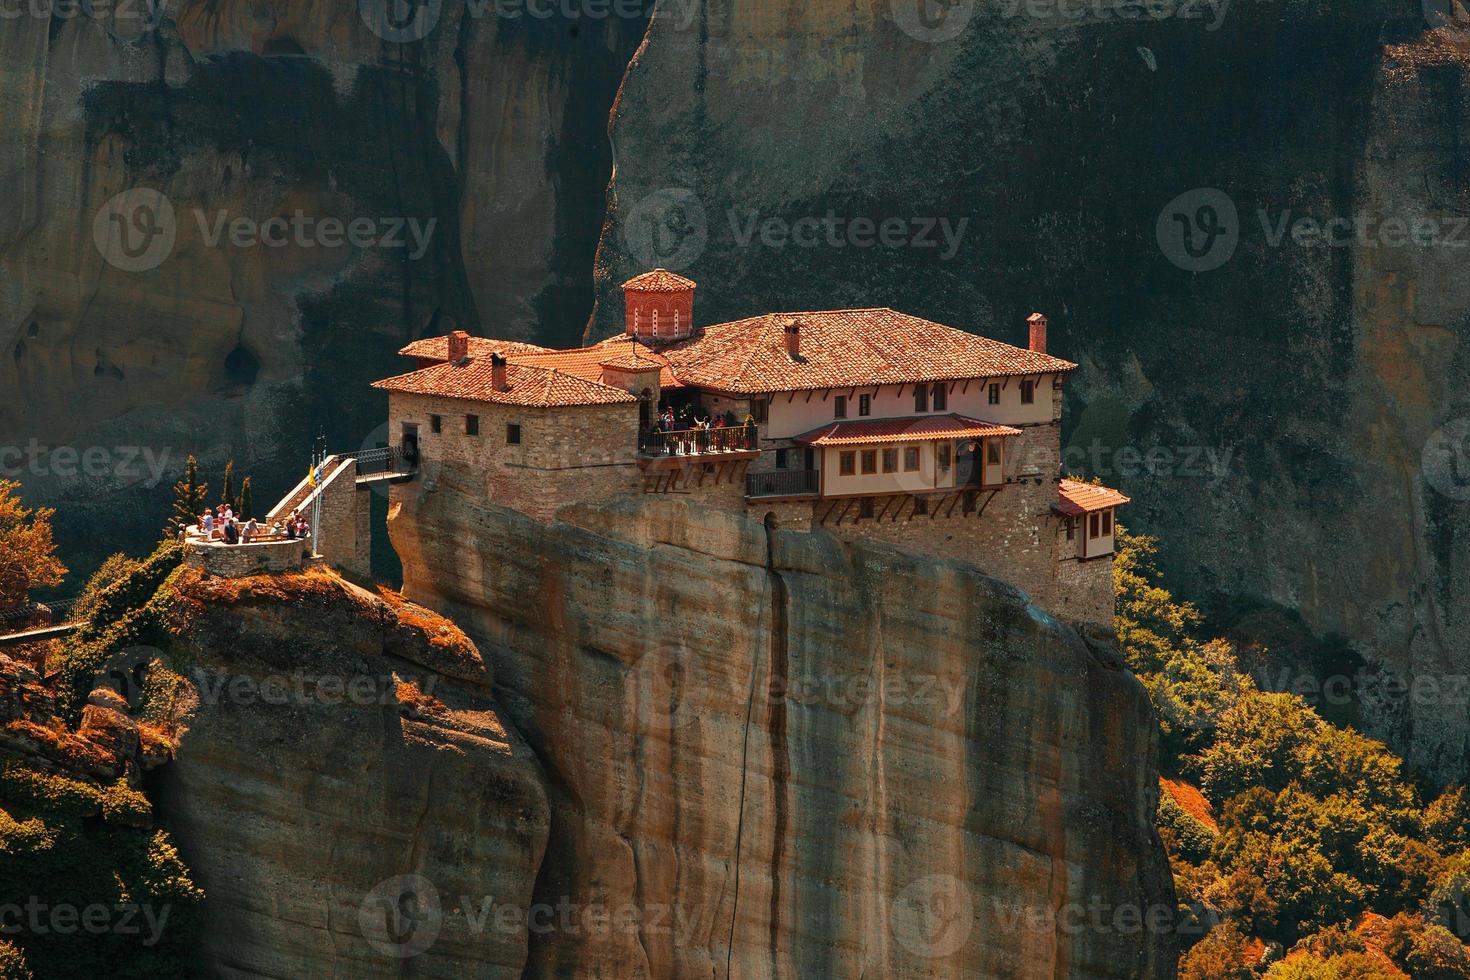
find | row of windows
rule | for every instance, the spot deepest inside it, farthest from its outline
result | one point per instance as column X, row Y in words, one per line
column 1099, row 525
column 848, row 461
column 928, row 398
column 472, row 428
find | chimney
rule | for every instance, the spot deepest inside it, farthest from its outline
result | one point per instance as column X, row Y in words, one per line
column 497, row 373
column 459, row 346
column 1037, row 323
column 793, row 338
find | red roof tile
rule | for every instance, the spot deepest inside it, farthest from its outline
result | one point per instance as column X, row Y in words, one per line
column 1075, row 498
column 916, row 429
column 845, row 348
column 659, row 281
column 586, row 362
column 527, row 385
column 438, row 347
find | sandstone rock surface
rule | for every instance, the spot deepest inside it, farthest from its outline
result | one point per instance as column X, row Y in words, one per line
column 779, row 755
column 344, row 788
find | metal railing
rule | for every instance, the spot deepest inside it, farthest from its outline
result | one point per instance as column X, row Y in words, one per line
column 387, row 459
column 782, row 483
column 694, row 442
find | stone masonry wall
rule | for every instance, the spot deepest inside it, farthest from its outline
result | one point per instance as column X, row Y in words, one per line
column 239, row 560
column 565, row 455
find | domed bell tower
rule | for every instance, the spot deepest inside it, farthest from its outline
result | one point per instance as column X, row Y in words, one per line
column 660, row 307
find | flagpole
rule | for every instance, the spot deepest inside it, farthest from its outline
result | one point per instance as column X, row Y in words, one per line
column 316, row 507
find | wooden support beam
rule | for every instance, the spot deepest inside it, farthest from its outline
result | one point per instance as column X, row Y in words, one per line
column 981, row 509
column 825, row 393
column 827, row 513
column 887, row 503
column 952, row 504
column 846, row 506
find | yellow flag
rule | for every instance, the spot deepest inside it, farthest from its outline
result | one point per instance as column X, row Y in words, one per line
column 311, row 476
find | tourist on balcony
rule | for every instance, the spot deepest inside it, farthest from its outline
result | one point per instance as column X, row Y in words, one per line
column 229, row 512
column 206, row 524
column 247, row 535
column 291, row 526
column 232, row 533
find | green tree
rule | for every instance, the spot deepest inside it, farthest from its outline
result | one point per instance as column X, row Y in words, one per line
column 190, row 499
column 245, row 504
column 27, row 551
column 1218, row 956
column 227, row 492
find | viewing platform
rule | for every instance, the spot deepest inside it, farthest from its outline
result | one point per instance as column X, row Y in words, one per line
column 736, row 442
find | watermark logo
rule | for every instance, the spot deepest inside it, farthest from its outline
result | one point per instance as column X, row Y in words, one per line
column 400, row 21
column 667, row 229
column 126, row 463
column 1199, row 230
column 401, row 917
column 838, row 231
column 669, row 688
column 933, row 21
column 135, row 230
column 1445, row 461
column 126, row 672
column 1070, row 13
column 37, row 918
column 932, row 917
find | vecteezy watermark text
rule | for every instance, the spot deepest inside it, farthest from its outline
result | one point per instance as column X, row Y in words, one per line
column 69, row 462
column 39, row 918
column 837, row 231
column 136, row 230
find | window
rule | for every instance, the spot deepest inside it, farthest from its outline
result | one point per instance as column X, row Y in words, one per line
column 781, row 461
column 870, row 460
column 1071, row 528
column 941, row 396
column 839, row 407
column 992, row 452
column 921, row 398
column 995, row 394
column 1028, row 392
column 921, row 505
column 890, row 461
column 865, row 404
column 758, row 409
column 513, row 433
column 436, row 423
column 472, row 425
column 845, row 463
column 941, row 456
column 1107, row 523
column 910, row 459
column 1093, row 525
column 865, row 507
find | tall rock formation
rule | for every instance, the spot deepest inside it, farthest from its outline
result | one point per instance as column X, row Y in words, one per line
column 1284, row 399
column 776, row 754
column 469, row 144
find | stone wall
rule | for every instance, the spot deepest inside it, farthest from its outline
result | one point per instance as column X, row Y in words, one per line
column 567, row 454
column 239, row 560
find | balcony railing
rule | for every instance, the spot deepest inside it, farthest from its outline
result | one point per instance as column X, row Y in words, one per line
column 695, row 442
column 782, row 483
column 387, row 459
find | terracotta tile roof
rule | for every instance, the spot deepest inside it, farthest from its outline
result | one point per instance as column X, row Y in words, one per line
column 919, row 428
column 534, row 386
column 438, row 347
column 659, row 281
column 586, row 362
column 1075, row 498
column 845, row 348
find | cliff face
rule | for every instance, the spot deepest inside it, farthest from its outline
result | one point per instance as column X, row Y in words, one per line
column 475, row 156
column 775, row 754
column 344, row 789
column 1268, row 394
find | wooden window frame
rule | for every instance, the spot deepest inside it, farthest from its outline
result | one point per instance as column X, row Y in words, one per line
column 847, row 463
column 911, row 453
column 993, row 395
column 839, row 407
column 890, row 460
column 472, row 425
column 865, row 405
column 921, row 398
column 512, row 433
column 939, row 397
column 1028, row 392
column 436, row 423
column 868, row 462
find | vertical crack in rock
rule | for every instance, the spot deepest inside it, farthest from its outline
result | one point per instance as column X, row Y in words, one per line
column 777, row 685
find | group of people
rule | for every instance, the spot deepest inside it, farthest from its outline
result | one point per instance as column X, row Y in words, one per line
column 220, row 524
column 690, row 428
